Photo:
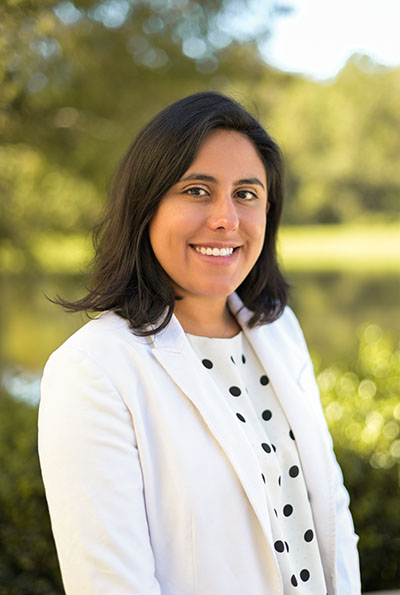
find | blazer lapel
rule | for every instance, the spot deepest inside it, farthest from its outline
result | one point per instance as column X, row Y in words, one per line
column 175, row 354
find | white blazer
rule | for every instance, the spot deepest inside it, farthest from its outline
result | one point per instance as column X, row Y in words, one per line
column 151, row 485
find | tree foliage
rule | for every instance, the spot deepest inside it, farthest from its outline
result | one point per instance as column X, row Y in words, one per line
column 341, row 144
column 111, row 59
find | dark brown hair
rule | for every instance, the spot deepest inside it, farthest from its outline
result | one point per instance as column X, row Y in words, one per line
column 127, row 278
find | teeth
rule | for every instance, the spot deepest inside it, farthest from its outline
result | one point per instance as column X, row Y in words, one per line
column 214, row 251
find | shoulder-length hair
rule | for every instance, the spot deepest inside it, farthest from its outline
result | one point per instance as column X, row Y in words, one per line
column 126, row 276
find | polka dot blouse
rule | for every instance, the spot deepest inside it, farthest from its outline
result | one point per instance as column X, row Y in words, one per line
column 239, row 376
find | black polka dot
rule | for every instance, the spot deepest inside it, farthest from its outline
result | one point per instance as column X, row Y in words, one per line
column 263, row 477
column 232, row 360
column 264, row 380
column 266, row 447
column 287, row 546
column 292, row 435
column 273, row 447
column 235, row 391
column 279, row 546
column 276, row 512
column 294, row 471
column 279, row 480
column 266, row 414
column 207, row 363
column 304, row 575
column 293, row 580
column 309, row 535
column 243, row 359
column 239, row 416
column 287, row 509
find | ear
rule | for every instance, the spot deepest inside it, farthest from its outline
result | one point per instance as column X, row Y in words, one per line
column 268, row 205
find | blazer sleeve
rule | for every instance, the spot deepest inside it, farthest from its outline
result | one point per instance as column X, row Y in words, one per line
column 93, row 481
column 346, row 553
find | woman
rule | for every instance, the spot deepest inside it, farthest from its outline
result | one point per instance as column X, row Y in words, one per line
column 182, row 442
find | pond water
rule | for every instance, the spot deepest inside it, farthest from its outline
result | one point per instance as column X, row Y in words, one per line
column 332, row 309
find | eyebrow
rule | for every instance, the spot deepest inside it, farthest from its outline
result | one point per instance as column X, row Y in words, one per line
column 207, row 178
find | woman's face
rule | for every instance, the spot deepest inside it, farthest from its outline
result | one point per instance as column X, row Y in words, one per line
column 209, row 228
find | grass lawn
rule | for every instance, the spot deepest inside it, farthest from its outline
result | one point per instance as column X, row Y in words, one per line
column 374, row 248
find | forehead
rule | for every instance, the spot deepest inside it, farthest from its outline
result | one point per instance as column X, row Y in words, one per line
column 231, row 151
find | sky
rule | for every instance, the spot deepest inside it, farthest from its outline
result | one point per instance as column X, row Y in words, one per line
column 318, row 37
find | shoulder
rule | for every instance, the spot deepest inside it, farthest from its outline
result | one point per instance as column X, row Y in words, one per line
column 289, row 325
column 285, row 332
column 286, row 336
column 104, row 341
column 108, row 329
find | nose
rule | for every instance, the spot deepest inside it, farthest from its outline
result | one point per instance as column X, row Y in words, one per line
column 223, row 214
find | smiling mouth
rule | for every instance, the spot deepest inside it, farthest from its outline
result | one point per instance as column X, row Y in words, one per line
column 214, row 251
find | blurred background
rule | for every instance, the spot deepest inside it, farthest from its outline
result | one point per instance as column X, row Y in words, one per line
column 77, row 81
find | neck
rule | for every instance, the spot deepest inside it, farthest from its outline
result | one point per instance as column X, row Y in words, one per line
column 206, row 318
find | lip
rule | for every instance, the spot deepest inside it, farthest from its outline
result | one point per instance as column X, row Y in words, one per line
column 215, row 245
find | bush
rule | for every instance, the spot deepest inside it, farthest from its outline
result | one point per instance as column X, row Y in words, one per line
column 28, row 562
column 362, row 406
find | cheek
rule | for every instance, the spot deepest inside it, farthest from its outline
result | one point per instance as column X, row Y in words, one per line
column 158, row 235
column 168, row 233
column 256, row 226
column 159, row 225
column 258, row 236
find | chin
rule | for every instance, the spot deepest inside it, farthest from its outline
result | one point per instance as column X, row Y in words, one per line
column 219, row 291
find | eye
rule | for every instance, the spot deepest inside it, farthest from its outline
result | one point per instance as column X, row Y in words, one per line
column 196, row 191
column 246, row 194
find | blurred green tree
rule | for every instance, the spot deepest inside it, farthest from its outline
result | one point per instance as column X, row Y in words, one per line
column 81, row 77
column 341, row 144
